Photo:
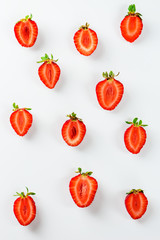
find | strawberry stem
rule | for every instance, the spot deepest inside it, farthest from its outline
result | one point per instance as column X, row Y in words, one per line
column 73, row 117
column 22, row 195
column 84, row 27
column 136, row 123
column 47, row 59
column 109, row 76
column 84, row 174
column 132, row 11
column 135, row 191
column 132, row 8
column 16, row 107
column 26, row 18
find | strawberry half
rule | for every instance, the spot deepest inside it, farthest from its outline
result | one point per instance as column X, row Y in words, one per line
column 73, row 130
column 135, row 136
column 26, row 31
column 136, row 203
column 85, row 40
column 24, row 208
column 109, row 91
column 49, row 71
column 83, row 188
column 21, row 120
column 131, row 25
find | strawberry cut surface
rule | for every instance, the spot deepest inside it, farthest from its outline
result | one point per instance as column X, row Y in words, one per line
column 49, row 71
column 24, row 208
column 131, row 25
column 49, row 74
column 26, row 32
column 83, row 188
column 131, row 28
column 86, row 40
column 109, row 92
column 73, row 131
column 21, row 120
column 136, row 203
column 135, row 136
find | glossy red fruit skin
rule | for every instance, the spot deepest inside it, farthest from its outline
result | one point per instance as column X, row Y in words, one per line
column 100, row 92
column 21, row 25
column 136, row 131
column 22, row 204
column 132, row 20
column 74, row 183
column 68, row 131
column 135, row 198
column 14, row 116
column 47, row 69
column 81, row 48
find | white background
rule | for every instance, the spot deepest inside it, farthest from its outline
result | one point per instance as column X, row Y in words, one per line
column 41, row 160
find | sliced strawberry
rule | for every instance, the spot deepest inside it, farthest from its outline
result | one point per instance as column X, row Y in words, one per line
column 85, row 40
column 109, row 91
column 135, row 136
column 49, row 71
column 83, row 188
column 24, row 208
column 21, row 120
column 136, row 203
column 73, row 130
column 131, row 25
column 26, row 31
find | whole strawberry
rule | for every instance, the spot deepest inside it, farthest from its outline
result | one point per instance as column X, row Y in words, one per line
column 109, row 91
column 73, row 130
column 135, row 136
column 49, row 71
column 136, row 203
column 83, row 188
column 85, row 40
column 21, row 120
column 24, row 208
column 131, row 26
column 26, row 31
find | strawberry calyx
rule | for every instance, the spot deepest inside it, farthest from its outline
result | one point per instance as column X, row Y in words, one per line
column 83, row 174
column 16, row 107
column 135, row 191
column 132, row 11
column 26, row 18
column 73, row 117
column 47, row 59
column 84, row 27
column 22, row 195
column 109, row 76
column 136, row 123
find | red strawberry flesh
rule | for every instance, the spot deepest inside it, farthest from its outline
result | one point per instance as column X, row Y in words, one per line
column 26, row 32
column 83, row 189
column 136, row 204
column 73, row 131
column 25, row 210
column 86, row 40
column 21, row 121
